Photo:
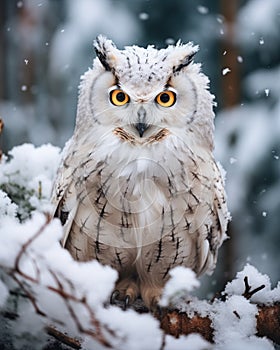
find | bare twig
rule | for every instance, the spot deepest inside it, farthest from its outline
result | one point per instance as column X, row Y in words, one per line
column 30, row 296
column 25, row 246
column 20, row 277
column 97, row 334
column 63, row 338
column 248, row 293
column 236, row 314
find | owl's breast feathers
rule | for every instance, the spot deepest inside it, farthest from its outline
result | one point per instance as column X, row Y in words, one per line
column 158, row 207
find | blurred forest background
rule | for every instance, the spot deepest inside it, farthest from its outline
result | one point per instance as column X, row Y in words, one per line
column 45, row 46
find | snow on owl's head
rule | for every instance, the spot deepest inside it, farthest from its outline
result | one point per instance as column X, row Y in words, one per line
column 141, row 93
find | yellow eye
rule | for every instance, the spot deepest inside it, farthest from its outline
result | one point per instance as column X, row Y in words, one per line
column 118, row 97
column 166, row 98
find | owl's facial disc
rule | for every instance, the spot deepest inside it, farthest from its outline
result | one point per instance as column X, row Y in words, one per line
column 140, row 111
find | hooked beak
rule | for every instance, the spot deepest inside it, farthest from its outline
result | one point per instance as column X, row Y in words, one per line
column 141, row 125
column 141, row 128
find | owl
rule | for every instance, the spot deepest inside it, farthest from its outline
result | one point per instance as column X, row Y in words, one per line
column 138, row 188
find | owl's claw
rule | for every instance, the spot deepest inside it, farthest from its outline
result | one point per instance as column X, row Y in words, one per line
column 114, row 296
column 116, row 299
column 126, row 302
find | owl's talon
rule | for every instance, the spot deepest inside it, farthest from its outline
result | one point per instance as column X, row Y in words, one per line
column 126, row 302
column 114, row 296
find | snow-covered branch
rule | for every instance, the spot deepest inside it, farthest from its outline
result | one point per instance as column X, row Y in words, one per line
column 179, row 323
column 40, row 282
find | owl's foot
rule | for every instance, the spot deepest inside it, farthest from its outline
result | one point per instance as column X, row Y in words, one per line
column 114, row 296
column 126, row 292
column 151, row 298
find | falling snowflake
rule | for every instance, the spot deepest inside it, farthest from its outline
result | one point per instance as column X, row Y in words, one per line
column 220, row 19
column 239, row 59
column 170, row 41
column 226, row 71
column 203, row 10
column 143, row 16
column 266, row 92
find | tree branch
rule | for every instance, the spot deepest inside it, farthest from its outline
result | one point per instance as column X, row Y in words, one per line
column 268, row 319
column 268, row 322
column 177, row 323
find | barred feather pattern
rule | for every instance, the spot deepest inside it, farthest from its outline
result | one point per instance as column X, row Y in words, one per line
column 143, row 204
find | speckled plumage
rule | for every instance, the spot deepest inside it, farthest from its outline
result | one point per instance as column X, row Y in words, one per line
column 143, row 203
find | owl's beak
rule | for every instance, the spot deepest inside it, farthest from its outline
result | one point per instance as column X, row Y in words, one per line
column 141, row 128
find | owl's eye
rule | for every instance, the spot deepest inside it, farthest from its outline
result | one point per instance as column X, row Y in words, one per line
column 166, row 98
column 118, row 97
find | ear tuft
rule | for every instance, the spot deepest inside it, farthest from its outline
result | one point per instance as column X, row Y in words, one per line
column 102, row 47
column 184, row 62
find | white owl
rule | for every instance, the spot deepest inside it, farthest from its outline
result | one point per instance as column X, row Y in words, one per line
column 138, row 188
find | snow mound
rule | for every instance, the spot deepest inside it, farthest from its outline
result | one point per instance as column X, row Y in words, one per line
column 255, row 280
column 182, row 280
column 26, row 175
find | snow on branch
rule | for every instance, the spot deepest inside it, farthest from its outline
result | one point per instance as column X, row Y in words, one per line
column 42, row 282
column 179, row 323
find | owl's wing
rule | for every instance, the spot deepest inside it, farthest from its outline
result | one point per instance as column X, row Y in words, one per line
column 69, row 188
column 209, row 215
column 65, row 200
column 64, row 194
column 219, row 215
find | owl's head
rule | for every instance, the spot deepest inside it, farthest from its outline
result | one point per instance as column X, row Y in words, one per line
column 144, row 94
